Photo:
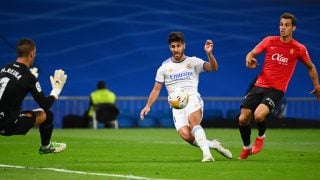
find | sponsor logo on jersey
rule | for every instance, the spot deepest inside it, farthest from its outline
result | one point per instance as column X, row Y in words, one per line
column 280, row 59
column 182, row 75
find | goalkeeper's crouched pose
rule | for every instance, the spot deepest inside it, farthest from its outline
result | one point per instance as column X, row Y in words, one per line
column 17, row 79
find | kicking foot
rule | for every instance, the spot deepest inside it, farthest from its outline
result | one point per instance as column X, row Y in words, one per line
column 220, row 149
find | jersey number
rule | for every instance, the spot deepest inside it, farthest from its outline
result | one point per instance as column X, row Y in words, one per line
column 3, row 84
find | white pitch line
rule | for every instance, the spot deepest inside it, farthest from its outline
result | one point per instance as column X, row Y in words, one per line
column 80, row 172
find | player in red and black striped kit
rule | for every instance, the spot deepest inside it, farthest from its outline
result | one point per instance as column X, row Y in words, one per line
column 282, row 53
column 17, row 79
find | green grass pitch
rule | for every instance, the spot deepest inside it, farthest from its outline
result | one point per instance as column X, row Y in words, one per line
column 159, row 154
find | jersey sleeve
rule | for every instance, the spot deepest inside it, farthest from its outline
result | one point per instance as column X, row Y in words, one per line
column 198, row 64
column 304, row 55
column 160, row 75
column 38, row 95
column 262, row 45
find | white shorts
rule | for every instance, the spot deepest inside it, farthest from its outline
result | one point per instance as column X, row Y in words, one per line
column 180, row 116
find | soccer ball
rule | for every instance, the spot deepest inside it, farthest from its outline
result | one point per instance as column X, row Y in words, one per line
column 178, row 98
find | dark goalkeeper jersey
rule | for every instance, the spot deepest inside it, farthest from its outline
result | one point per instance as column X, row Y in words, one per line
column 16, row 81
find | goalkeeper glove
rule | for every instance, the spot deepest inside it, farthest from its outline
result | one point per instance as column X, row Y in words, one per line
column 34, row 71
column 57, row 82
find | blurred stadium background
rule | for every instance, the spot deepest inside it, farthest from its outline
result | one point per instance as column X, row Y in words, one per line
column 123, row 42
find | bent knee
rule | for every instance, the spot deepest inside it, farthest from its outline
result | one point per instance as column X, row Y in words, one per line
column 245, row 117
column 243, row 121
column 187, row 136
column 261, row 112
column 259, row 117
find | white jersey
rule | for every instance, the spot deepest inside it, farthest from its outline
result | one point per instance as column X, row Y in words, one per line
column 183, row 74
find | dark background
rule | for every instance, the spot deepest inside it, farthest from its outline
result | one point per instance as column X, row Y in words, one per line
column 124, row 42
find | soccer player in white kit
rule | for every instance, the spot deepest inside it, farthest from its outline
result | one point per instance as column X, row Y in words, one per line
column 183, row 71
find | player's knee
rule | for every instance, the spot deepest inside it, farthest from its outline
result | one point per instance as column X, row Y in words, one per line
column 49, row 118
column 259, row 116
column 187, row 136
column 261, row 112
column 245, row 117
column 244, row 120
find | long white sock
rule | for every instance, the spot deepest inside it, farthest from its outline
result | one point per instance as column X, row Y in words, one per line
column 201, row 139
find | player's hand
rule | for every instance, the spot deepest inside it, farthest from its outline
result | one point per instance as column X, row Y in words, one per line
column 144, row 112
column 251, row 63
column 57, row 82
column 208, row 46
column 34, row 71
column 316, row 91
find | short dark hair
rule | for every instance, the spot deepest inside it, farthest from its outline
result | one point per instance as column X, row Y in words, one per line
column 101, row 85
column 24, row 47
column 289, row 16
column 175, row 37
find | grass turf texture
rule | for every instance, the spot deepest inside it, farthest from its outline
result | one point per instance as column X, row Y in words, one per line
column 160, row 153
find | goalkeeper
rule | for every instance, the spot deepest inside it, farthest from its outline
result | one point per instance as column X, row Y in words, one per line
column 17, row 79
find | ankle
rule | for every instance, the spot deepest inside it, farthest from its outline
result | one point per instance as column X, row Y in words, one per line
column 262, row 137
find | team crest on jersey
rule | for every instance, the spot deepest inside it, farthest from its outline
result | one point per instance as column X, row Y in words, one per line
column 38, row 87
column 169, row 70
column 189, row 66
column 291, row 51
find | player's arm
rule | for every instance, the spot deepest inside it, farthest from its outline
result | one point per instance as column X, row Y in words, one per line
column 152, row 98
column 36, row 92
column 57, row 82
column 38, row 95
column 212, row 64
column 314, row 77
column 251, row 61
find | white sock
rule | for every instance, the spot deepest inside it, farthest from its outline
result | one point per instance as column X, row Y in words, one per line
column 263, row 136
column 45, row 147
column 212, row 144
column 201, row 139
